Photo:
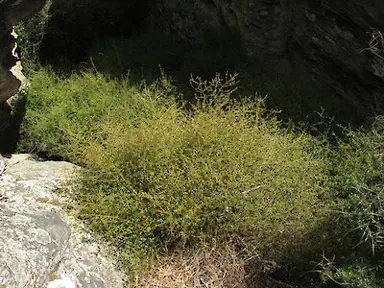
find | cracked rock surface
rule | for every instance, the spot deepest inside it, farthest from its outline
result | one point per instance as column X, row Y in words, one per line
column 40, row 244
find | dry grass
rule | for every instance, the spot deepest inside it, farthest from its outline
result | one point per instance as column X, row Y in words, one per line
column 196, row 268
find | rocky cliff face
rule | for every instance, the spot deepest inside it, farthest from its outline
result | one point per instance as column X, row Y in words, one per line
column 11, row 12
column 321, row 38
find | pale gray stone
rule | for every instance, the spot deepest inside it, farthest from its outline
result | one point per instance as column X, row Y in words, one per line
column 40, row 244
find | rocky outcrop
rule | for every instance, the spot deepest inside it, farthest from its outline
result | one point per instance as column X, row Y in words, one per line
column 40, row 244
column 11, row 12
column 323, row 39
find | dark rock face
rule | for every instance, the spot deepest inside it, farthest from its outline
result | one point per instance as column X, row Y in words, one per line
column 8, row 83
column 320, row 39
column 330, row 37
column 323, row 39
column 11, row 12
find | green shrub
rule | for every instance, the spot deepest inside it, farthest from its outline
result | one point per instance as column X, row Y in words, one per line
column 360, row 274
column 356, row 174
column 159, row 174
column 64, row 113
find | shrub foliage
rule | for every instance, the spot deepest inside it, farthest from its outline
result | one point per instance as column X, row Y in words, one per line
column 159, row 174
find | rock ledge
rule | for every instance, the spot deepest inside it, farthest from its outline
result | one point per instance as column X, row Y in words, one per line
column 41, row 245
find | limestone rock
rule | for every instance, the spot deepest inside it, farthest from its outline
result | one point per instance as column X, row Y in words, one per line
column 39, row 242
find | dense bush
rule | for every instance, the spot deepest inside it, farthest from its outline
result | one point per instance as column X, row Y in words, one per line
column 357, row 175
column 63, row 113
column 160, row 174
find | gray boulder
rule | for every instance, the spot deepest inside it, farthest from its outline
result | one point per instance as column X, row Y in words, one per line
column 41, row 244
